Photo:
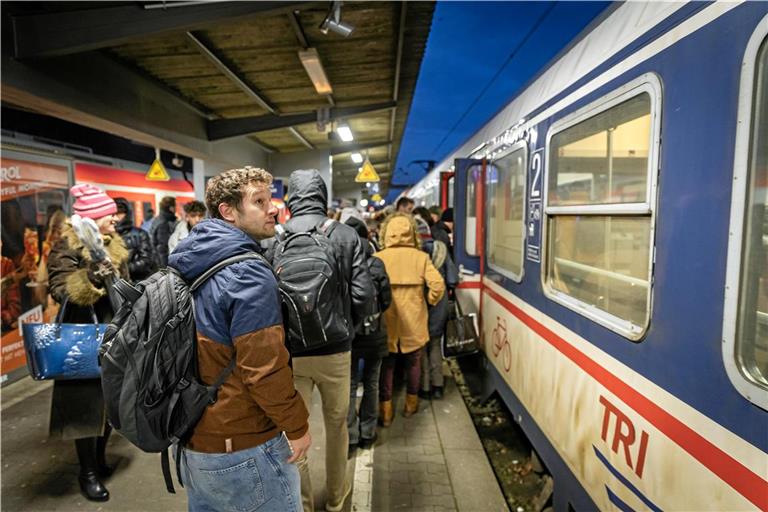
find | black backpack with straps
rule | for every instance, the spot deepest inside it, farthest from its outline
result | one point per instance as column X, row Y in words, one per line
column 148, row 358
column 312, row 287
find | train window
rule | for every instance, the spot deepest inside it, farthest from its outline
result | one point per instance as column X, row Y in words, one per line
column 752, row 327
column 603, row 159
column 599, row 210
column 470, row 233
column 505, row 202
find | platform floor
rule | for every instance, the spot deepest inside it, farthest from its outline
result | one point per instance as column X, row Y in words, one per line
column 432, row 461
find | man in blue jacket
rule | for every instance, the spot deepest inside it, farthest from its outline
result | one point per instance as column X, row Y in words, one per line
column 241, row 453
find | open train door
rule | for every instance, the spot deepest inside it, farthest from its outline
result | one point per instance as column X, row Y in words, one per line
column 468, row 236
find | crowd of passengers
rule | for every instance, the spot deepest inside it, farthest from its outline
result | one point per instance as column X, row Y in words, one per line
column 400, row 276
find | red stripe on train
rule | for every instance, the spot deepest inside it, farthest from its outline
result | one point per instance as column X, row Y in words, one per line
column 731, row 471
column 470, row 285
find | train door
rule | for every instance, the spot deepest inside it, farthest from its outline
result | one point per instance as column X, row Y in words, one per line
column 468, row 218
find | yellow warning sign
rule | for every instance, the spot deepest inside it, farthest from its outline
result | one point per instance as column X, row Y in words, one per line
column 367, row 173
column 157, row 172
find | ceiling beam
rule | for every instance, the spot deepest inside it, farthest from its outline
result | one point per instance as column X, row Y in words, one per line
column 300, row 137
column 225, row 128
column 301, row 37
column 398, row 66
column 357, row 146
column 61, row 33
column 209, row 51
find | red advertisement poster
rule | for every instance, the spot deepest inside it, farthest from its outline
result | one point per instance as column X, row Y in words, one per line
column 31, row 192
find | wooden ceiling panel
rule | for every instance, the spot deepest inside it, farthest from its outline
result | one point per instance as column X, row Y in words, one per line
column 263, row 51
column 264, row 32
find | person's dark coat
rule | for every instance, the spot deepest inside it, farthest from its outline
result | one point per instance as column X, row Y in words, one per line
column 308, row 203
column 77, row 408
column 441, row 259
column 373, row 344
column 442, row 232
column 162, row 228
column 141, row 260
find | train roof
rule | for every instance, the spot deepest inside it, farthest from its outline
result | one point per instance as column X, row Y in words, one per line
column 617, row 27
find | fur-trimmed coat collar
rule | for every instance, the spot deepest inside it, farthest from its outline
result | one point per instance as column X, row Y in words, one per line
column 68, row 268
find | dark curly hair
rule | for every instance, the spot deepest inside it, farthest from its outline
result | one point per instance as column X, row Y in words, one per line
column 194, row 207
column 229, row 186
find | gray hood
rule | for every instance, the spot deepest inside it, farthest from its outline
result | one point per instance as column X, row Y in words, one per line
column 307, row 193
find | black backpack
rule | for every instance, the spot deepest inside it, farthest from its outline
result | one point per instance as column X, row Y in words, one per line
column 148, row 358
column 372, row 323
column 312, row 288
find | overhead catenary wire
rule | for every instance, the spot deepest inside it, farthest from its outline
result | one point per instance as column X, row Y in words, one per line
column 509, row 59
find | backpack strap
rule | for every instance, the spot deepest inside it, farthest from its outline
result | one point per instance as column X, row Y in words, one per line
column 214, row 388
column 197, row 283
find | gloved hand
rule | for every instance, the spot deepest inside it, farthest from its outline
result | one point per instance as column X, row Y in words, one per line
column 98, row 271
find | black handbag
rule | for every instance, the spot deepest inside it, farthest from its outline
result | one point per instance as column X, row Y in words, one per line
column 60, row 351
column 460, row 337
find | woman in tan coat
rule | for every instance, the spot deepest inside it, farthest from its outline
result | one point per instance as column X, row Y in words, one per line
column 409, row 270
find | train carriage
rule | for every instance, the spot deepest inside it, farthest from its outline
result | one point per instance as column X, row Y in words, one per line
column 611, row 231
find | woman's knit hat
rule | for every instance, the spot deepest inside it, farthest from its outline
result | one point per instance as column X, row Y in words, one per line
column 91, row 202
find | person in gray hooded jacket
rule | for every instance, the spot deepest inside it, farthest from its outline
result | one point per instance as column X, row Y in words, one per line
column 328, row 367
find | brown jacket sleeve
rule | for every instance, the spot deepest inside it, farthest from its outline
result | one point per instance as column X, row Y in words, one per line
column 435, row 283
column 263, row 360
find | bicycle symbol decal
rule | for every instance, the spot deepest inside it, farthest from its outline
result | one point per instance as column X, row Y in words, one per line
column 501, row 343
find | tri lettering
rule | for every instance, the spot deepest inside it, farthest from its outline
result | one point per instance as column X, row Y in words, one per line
column 624, row 434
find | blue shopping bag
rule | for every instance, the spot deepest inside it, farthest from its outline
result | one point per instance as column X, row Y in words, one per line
column 60, row 351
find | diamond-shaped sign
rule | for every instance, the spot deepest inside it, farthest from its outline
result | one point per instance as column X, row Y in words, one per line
column 157, row 172
column 367, row 173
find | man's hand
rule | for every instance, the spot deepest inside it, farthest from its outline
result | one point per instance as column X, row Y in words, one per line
column 299, row 447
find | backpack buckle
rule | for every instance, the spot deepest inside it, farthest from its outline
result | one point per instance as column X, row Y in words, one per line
column 174, row 321
column 183, row 384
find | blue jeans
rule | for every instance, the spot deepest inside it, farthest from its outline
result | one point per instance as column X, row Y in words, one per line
column 258, row 478
column 363, row 425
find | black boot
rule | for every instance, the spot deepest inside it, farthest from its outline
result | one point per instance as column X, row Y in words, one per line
column 437, row 392
column 102, row 468
column 90, row 485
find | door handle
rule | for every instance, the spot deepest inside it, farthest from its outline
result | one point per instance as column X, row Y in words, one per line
column 465, row 272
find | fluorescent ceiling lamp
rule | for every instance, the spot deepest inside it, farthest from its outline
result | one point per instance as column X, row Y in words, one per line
column 357, row 158
column 345, row 134
column 310, row 59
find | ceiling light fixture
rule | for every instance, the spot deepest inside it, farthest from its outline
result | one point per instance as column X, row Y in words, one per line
column 357, row 158
column 310, row 59
column 333, row 23
column 345, row 134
